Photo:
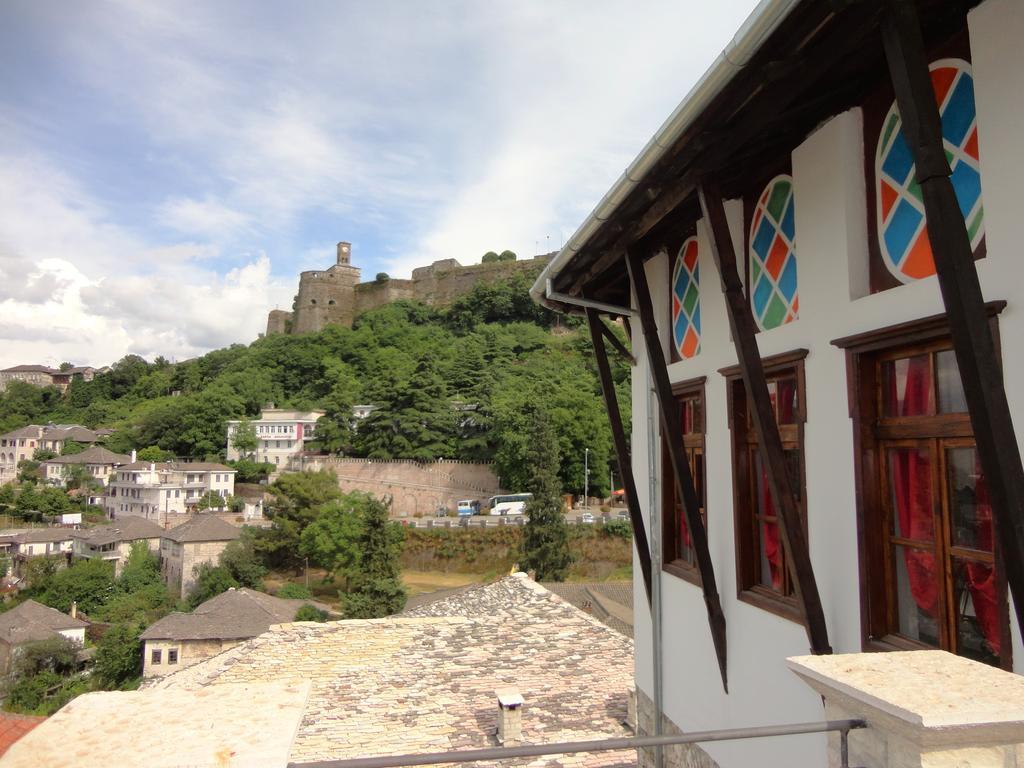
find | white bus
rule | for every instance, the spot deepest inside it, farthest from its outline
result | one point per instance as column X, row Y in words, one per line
column 511, row 504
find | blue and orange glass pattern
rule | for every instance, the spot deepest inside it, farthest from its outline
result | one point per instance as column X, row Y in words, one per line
column 686, row 301
column 773, row 294
column 902, row 234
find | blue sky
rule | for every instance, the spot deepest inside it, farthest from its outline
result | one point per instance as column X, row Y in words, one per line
column 166, row 169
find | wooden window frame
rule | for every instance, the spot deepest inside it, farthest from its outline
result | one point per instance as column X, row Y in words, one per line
column 871, row 432
column 693, row 442
column 743, row 444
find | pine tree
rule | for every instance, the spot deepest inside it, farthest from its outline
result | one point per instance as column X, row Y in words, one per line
column 376, row 589
column 545, row 548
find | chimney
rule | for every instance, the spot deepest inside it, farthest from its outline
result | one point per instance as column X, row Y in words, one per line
column 344, row 252
column 74, row 609
column 133, row 455
column 510, row 717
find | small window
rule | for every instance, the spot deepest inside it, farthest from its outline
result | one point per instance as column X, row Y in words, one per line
column 155, row 656
column 771, row 251
column 680, row 557
column 172, row 656
column 686, row 301
column 761, row 569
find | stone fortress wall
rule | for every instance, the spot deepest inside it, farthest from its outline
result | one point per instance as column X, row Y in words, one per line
column 335, row 296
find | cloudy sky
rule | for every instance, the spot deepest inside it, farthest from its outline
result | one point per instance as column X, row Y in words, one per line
column 166, row 169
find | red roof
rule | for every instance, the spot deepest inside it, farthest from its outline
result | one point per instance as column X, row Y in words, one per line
column 13, row 727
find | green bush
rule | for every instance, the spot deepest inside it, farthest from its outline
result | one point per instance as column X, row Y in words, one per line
column 310, row 613
column 620, row 529
column 294, row 592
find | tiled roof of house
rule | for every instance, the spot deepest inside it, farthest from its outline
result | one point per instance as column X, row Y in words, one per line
column 203, row 527
column 178, row 466
column 70, row 432
column 127, row 528
column 30, row 369
column 32, row 621
column 32, row 430
column 95, row 455
column 237, row 614
column 13, row 727
column 401, row 684
column 609, row 601
column 45, row 535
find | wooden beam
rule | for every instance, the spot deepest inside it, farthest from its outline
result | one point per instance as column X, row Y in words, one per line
column 976, row 356
column 611, row 404
column 614, row 341
column 673, row 431
column 741, row 322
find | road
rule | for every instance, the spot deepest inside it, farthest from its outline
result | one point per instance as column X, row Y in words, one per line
column 487, row 521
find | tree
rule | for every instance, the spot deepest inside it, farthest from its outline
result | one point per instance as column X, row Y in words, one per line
column 250, row 471
column 382, row 277
column 43, row 454
column 545, row 548
column 297, row 499
column 309, row 612
column 489, row 258
column 72, row 448
column 241, row 561
column 211, row 580
column 244, row 439
column 507, row 255
column 78, row 476
column 89, row 582
column 376, row 589
column 211, row 500
column 42, row 677
column 153, row 454
column 119, row 656
column 292, row 591
column 333, row 540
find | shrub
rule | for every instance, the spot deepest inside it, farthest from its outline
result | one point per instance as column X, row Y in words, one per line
column 619, row 529
column 294, row 592
column 309, row 612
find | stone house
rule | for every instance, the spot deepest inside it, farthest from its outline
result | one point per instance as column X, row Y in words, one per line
column 165, row 491
column 191, row 544
column 41, row 542
column 114, row 542
column 31, row 622
column 21, row 444
column 181, row 639
column 817, row 257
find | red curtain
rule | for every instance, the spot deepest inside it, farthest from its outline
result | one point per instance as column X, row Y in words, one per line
column 981, row 577
column 912, row 489
column 770, row 532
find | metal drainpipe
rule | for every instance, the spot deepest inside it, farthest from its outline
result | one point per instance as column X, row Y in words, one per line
column 654, row 536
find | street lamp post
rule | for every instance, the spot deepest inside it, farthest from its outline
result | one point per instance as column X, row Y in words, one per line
column 586, row 478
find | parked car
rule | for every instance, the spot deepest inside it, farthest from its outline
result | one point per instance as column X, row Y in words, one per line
column 586, row 517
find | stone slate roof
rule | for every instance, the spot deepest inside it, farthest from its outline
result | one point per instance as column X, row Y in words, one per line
column 32, row 621
column 179, row 466
column 127, row 528
column 32, row 430
column 44, row 535
column 94, row 455
column 403, row 684
column 203, row 528
column 30, row 369
column 237, row 614
column 71, row 432
column 611, row 602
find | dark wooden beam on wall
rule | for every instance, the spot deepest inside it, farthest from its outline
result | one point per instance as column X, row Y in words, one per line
column 741, row 322
column 973, row 344
column 622, row 456
column 673, row 431
column 618, row 345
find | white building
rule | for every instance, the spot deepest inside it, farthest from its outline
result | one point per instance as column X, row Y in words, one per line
column 99, row 463
column 21, row 444
column 280, row 434
column 796, row 128
column 160, row 491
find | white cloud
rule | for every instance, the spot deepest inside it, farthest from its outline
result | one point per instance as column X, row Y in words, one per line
column 202, row 217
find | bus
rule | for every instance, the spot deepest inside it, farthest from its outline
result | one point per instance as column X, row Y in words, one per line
column 468, row 507
column 510, row 504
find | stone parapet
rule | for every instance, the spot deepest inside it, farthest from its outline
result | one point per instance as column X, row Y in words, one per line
column 673, row 756
column 923, row 709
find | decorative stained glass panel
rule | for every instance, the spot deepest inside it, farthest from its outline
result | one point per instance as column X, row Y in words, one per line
column 902, row 234
column 773, row 285
column 686, row 301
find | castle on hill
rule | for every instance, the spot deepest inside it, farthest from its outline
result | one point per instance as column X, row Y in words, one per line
column 334, row 296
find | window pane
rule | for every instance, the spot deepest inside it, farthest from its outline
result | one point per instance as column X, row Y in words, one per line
column 977, row 617
column 910, row 480
column 769, row 544
column 785, row 392
column 907, row 387
column 951, row 389
column 970, row 509
column 917, row 594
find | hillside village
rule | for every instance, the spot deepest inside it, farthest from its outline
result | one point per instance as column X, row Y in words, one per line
column 729, row 479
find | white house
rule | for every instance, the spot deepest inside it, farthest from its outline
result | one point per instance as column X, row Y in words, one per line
column 159, row 491
column 98, row 462
column 862, row 423
column 280, row 434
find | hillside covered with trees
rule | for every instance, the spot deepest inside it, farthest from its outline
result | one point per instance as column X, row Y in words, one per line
column 455, row 383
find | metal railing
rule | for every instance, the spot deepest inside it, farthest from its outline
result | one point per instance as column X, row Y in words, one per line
column 842, row 727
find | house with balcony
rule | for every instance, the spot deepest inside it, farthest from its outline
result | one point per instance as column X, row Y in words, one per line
column 280, row 434
column 113, row 543
column 56, row 543
column 165, row 492
column 816, row 259
column 98, row 462
column 21, row 444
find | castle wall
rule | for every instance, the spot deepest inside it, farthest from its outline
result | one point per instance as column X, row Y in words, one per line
column 416, row 489
column 278, row 321
column 372, row 295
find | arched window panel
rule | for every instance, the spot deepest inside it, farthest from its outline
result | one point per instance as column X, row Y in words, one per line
column 899, row 208
column 774, row 298
column 686, row 301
